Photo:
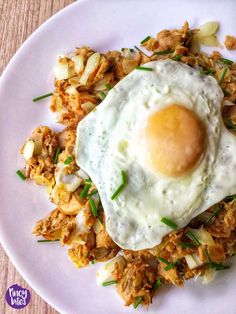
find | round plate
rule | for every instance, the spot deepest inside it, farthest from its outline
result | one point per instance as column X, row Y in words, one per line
column 102, row 25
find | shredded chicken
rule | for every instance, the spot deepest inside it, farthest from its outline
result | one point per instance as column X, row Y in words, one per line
column 230, row 42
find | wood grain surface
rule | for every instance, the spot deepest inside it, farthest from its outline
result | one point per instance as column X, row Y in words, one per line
column 18, row 19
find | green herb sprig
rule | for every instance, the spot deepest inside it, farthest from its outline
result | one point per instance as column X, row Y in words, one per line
column 42, row 97
column 21, row 175
column 215, row 213
column 169, row 223
column 121, row 186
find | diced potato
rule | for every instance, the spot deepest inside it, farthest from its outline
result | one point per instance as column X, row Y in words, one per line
column 91, row 66
column 61, row 69
column 203, row 236
column 193, row 261
column 209, row 41
column 97, row 227
column 28, row 149
column 82, row 174
column 88, row 106
column 105, row 273
column 208, row 29
column 208, row 276
column 79, row 64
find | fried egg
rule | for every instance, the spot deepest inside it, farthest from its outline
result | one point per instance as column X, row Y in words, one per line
column 163, row 128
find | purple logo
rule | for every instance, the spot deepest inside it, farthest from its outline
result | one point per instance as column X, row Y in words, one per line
column 17, row 297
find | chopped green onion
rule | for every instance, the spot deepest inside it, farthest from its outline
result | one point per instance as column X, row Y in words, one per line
column 138, row 300
column 122, row 185
column 176, row 57
column 43, row 96
column 131, row 50
column 187, row 245
column 102, row 95
column 40, row 241
column 88, row 180
column 108, row 86
column 21, row 175
column 58, row 151
column 223, row 75
column 226, row 93
column 93, row 261
column 164, row 52
column 108, row 283
column 137, row 48
column 192, row 237
column 145, row 40
column 165, row 261
column 230, row 198
column 85, row 190
column 169, row 223
column 229, row 123
column 157, row 284
column 215, row 266
column 93, row 207
column 214, row 213
column 143, row 68
column 207, row 71
column 226, row 61
column 92, row 193
column 68, row 161
column 123, row 49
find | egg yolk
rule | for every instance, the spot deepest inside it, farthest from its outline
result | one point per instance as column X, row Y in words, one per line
column 175, row 139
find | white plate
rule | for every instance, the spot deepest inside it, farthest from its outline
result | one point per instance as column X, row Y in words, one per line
column 102, row 25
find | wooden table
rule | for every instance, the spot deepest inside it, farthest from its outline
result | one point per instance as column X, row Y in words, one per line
column 18, row 19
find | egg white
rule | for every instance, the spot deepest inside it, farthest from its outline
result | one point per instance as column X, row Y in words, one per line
column 110, row 139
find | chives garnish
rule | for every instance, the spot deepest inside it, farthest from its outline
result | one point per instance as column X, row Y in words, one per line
column 102, row 95
column 93, row 261
column 92, row 193
column 131, row 50
column 58, row 151
column 21, row 175
column 121, row 186
column 85, row 190
column 176, row 57
column 207, row 71
column 108, row 86
column 138, row 300
column 108, row 283
column 226, row 93
column 226, row 61
column 122, row 49
column 42, row 96
column 165, row 261
column 187, row 245
column 223, row 75
column 88, row 180
column 40, row 241
column 143, row 68
column 68, row 160
column 145, row 40
column 229, row 123
column 230, row 198
column 217, row 210
column 137, row 48
column 93, row 207
column 192, row 237
column 157, row 284
column 169, row 223
column 215, row 266
column 163, row 52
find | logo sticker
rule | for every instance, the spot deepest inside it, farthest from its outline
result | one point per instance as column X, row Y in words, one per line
column 17, row 297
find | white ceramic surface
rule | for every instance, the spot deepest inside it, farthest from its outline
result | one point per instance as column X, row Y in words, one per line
column 102, row 25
